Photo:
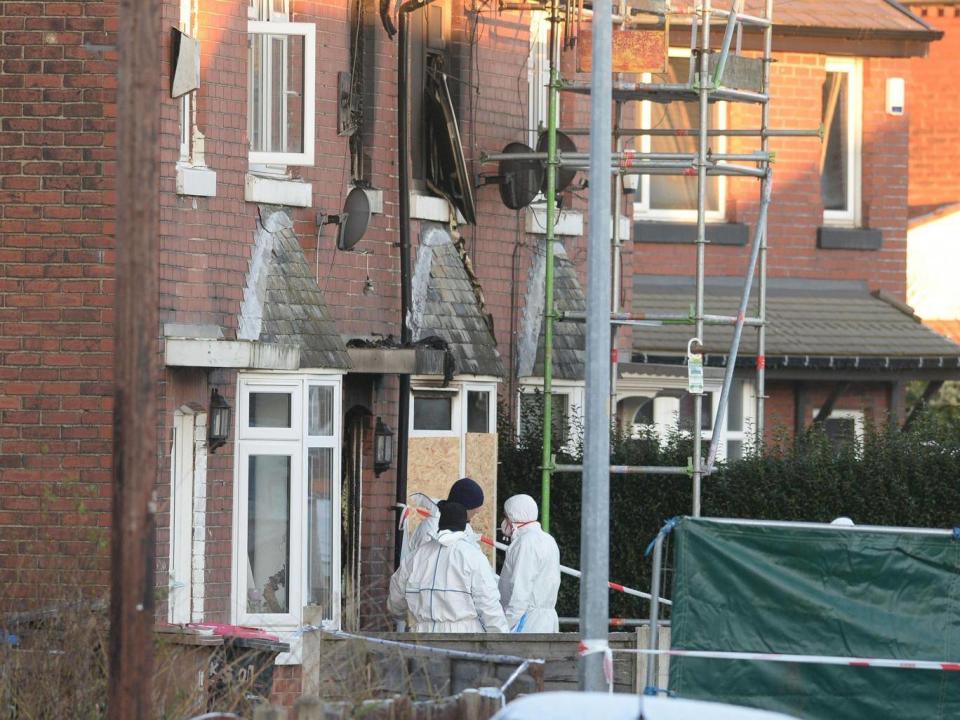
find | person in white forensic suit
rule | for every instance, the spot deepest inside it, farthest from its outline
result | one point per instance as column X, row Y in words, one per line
column 447, row 584
column 530, row 578
column 465, row 491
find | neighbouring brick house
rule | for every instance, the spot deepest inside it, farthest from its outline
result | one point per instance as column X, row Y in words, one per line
column 306, row 343
column 933, row 254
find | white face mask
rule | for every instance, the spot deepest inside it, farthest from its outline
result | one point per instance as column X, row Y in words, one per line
column 506, row 527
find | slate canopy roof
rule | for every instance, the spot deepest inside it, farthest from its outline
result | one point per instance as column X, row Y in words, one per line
column 811, row 323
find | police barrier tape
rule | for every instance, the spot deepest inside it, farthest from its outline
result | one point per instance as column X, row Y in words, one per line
column 522, row 663
column 805, row 659
column 407, row 509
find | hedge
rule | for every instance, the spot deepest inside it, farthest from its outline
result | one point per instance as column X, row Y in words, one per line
column 890, row 477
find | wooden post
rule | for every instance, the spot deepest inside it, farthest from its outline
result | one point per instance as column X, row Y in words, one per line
column 135, row 377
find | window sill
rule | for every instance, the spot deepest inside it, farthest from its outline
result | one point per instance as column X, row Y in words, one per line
column 431, row 208
column 568, row 222
column 273, row 191
column 837, row 238
column 196, row 181
column 685, row 233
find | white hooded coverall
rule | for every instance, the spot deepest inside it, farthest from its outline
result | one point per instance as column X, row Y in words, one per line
column 447, row 585
column 530, row 578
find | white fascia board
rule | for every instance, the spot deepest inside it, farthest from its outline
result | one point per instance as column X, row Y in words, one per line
column 196, row 181
column 292, row 193
column 568, row 222
column 230, row 354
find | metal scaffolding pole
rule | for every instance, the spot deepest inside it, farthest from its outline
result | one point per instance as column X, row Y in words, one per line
column 548, row 305
column 616, row 244
column 761, row 390
column 760, row 235
column 704, row 86
column 595, row 515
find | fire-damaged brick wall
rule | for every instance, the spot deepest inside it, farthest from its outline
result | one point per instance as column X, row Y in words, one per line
column 933, row 105
column 57, row 136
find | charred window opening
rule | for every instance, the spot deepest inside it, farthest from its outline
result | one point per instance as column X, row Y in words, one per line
column 438, row 164
column 358, row 108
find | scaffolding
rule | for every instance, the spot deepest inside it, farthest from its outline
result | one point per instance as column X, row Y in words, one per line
column 725, row 74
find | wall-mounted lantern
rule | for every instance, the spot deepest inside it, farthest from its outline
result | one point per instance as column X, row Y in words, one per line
column 382, row 447
column 219, row 421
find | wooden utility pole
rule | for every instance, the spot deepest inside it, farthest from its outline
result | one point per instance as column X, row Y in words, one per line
column 135, row 332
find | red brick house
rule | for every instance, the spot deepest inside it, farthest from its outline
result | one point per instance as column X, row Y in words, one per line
column 933, row 255
column 315, row 347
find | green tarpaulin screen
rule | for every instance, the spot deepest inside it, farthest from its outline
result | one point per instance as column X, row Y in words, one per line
column 817, row 590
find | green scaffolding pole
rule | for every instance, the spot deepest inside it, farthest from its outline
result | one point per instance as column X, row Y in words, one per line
column 553, row 93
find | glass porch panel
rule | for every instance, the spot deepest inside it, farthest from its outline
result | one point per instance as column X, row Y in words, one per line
column 320, row 410
column 432, row 412
column 320, row 529
column 270, row 410
column 478, row 411
column 268, row 534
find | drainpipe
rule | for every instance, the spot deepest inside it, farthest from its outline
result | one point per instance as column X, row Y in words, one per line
column 403, row 129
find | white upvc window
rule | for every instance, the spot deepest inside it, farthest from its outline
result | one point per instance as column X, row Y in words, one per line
column 842, row 426
column 435, row 411
column 453, row 411
column 671, row 410
column 287, row 500
column 674, row 197
column 281, row 87
column 538, row 75
column 841, row 150
column 566, row 410
column 479, row 408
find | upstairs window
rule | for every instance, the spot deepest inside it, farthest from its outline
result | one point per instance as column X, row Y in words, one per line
column 674, row 197
column 281, row 86
column 840, row 151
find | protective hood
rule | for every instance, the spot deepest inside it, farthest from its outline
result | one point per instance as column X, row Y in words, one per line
column 521, row 508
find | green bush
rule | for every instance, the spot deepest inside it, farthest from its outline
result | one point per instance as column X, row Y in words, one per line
column 891, row 477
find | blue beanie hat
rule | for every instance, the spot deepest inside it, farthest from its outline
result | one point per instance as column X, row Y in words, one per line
column 466, row 492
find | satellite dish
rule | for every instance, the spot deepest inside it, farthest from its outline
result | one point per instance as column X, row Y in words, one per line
column 520, row 180
column 565, row 175
column 353, row 221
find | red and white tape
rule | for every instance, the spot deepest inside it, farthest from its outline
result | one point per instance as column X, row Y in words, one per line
column 806, row 659
column 591, row 647
column 487, row 540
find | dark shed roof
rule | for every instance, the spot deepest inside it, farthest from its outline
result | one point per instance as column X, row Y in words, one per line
column 834, row 323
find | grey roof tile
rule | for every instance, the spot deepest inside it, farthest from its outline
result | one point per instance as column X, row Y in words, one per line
column 834, row 319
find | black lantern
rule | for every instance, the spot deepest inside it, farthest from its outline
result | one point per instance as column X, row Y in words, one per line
column 219, row 421
column 382, row 447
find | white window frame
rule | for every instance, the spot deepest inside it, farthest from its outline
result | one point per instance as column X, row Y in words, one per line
column 641, row 206
column 457, row 410
column 538, row 75
column 666, row 421
column 181, row 516
column 856, row 415
column 852, row 216
column 295, row 442
column 186, row 102
column 309, row 33
column 491, row 390
column 574, row 392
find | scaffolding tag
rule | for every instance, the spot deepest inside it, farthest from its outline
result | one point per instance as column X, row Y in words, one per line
column 694, row 368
